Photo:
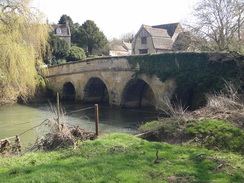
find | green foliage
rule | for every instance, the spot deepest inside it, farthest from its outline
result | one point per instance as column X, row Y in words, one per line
column 89, row 37
column 189, row 69
column 58, row 50
column 59, row 47
column 65, row 19
column 75, row 53
column 168, row 125
column 122, row 158
column 220, row 134
column 149, row 126
column 22, row 42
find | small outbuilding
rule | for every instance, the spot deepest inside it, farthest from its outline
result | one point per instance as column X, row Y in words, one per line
column 120, row 49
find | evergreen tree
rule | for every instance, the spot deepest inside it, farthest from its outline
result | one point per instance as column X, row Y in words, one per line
column 89, row 37
column 64, row 19
column 57, row 51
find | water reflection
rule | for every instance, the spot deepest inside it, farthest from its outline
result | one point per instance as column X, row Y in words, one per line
column 16, row 119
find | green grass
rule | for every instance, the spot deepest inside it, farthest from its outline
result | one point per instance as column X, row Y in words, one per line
column 167, row 125
column 123, row 158
column 209, row 133
column 217, row 133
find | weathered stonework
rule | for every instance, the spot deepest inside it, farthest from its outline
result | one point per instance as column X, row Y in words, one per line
column 121, row 86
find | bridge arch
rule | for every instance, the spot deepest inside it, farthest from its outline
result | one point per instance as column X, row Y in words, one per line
column 96, row 91
column 114, row 79
column 68, row 91
column 137, row 93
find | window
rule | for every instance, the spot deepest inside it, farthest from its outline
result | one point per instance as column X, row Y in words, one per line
column 143, row 51
column 58, row 31
column 143, row 40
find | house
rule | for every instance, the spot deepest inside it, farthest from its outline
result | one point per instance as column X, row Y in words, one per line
column 62, row 31
column 159, row 39
column 120, row 49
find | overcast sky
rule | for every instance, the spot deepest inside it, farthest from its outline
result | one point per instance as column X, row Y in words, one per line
column 117, row 17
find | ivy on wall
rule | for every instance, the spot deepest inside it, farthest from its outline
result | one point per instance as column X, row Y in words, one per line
column 189, row 69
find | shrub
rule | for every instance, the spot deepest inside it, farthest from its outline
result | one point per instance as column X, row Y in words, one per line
column 167, row 125
column 150, row 126
column 216, row 133
column 75, row 53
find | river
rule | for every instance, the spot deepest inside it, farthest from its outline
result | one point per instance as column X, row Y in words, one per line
column 17, row 119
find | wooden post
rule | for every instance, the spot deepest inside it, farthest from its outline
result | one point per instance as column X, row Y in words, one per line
column 97, row 119
column 58, row 110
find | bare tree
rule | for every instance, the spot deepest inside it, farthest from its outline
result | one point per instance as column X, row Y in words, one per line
column 219, row 24
column 128, row 37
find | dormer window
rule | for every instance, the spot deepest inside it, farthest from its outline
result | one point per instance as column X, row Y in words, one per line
column 58, row 31
column 143, row 40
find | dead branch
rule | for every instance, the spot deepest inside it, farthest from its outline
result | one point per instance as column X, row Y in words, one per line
column 156, row 161
column 219, row 167
column 141, row 134
column 200, row 155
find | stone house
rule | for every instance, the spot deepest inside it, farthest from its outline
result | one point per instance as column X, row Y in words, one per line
column 160, row 39
column 121, row 49
column 62, row 31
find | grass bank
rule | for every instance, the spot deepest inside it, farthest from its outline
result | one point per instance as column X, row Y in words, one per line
column 209, row 133
column 124, row 158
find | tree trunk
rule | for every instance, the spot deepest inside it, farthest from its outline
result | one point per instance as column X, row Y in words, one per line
column 90, row 50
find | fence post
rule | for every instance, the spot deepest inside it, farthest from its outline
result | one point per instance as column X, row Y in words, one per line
column 97, row 119
column 58, row 110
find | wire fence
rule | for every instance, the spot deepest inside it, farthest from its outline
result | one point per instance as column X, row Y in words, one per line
column 6, row 141
column 5, row 144
column 76, row 111
column 44, row 118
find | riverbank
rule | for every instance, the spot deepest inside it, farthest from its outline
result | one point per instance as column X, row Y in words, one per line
column 18, row 118
column 124, row 158
column 7, row 101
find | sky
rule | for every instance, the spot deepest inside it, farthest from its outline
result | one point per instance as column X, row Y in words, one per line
column 117, row 17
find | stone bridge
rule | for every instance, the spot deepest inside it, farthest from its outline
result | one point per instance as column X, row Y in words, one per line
column 108, row 79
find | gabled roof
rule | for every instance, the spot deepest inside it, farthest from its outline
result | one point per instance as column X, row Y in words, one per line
column 163, row 36
column 160, row 37
column 121, row 46
column 162, row 43
column 156, row 32
column 169, row 27
column 127, row 46
column 65, row 31
column 118, row 48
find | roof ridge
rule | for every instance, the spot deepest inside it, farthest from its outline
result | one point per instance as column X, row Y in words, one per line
column 168, row 24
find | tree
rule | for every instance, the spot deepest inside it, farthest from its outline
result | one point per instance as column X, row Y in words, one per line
column 66, row 19
column 219, row 24
column 57, row 51
column 128, row 37
column 23, row 41
column 75, row 53
column 89, row 37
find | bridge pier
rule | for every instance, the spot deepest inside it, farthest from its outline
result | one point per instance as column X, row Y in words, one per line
column 108, row 80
